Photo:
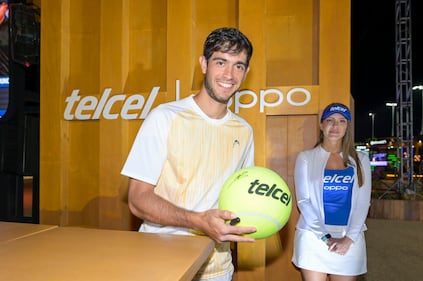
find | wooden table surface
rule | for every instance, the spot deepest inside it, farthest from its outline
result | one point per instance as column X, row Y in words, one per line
column 13, row 230
column 73, row 253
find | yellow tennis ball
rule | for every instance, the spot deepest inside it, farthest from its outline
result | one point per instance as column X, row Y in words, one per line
column 259, row 197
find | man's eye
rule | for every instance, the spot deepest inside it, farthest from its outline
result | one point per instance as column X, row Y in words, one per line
column 240, row 67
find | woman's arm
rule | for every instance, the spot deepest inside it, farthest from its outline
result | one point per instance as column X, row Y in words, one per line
column 361, row 205
column 307, row 197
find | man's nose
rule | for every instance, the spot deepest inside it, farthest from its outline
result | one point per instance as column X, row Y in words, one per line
column 228, row 71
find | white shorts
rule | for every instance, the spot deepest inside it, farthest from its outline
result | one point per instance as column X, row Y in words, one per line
column 226, row 277
column 311, row 253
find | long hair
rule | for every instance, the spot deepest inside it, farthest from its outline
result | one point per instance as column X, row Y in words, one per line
column 347, row 148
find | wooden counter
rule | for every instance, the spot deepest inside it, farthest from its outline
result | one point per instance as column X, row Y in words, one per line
column 72, row 253
column 13, row 230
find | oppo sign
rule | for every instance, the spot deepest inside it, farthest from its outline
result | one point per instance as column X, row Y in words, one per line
column 137, row 107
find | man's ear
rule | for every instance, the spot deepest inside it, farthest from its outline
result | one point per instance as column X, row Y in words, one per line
column 246, row 72
column 203, row 64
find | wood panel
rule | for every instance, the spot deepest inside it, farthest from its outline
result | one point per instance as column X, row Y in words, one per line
column 286, row 137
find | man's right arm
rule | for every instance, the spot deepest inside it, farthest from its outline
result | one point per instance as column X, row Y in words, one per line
column 147, row 205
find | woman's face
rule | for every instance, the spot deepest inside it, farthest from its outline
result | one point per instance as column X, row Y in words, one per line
column 334, row 127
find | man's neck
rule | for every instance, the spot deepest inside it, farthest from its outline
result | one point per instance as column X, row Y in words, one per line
column 210, row 107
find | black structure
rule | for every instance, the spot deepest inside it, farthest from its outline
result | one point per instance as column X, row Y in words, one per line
column 19, row 127
column 404, row 96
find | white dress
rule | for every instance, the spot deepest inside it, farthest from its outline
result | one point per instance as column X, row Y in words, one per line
column 310, row 252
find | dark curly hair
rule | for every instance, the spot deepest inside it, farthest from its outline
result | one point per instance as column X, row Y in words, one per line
column 227, row 40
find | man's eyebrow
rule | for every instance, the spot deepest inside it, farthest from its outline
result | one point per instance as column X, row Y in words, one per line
column 219, row 58
column 223, row 59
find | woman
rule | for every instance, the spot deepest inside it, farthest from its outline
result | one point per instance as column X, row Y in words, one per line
column 333, row 186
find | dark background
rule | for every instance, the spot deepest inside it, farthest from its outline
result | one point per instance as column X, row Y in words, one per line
column 373, row 64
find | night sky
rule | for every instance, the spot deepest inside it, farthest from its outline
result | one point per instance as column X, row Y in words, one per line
column 373, row 64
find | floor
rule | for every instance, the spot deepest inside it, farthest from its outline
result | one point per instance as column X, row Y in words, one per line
column 394, row 250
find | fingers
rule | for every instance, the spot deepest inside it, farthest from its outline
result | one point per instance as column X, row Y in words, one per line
column 238, row 238
column 233, row 222
column 336, row 249
column 223, row 226
column 234, row 234
column 237, row 233
column 226, row 215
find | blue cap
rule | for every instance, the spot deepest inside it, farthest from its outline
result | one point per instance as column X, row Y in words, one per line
column 336, row 108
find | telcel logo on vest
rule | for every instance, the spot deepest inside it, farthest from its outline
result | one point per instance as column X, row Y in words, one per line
column 137, row 107
column 340, row 182
column 338, row 179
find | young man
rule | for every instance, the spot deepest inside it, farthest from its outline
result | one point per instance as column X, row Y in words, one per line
column 185, row 150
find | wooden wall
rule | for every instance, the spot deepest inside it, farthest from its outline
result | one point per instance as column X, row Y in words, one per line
column 130, row 47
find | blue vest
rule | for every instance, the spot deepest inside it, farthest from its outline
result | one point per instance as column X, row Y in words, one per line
column 337, row 194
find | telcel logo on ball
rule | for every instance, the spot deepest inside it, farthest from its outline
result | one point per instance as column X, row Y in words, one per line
column 276, row 193
column 259, row 197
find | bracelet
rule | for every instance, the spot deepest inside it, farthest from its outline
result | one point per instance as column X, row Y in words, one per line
column 326, row 237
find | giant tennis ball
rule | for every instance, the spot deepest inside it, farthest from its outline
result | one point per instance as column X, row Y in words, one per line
column 259, row 197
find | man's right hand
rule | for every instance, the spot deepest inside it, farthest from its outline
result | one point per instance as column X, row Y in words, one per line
column 213, row 223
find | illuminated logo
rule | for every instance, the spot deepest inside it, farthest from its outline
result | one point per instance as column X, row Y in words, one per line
column 89, row 107
column 136, row 106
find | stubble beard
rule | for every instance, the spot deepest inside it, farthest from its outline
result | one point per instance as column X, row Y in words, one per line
column 211, row 93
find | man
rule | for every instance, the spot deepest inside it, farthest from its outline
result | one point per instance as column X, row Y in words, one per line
column 185, row 150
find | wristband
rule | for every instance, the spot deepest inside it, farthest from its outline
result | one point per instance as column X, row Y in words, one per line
column 326, row 237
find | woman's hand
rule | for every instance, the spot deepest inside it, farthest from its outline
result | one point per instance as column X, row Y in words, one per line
column 339, row 245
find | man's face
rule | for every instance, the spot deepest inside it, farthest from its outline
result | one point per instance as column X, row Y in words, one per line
column 224, row 73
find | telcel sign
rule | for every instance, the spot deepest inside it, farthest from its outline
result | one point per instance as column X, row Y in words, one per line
column 137, row 107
